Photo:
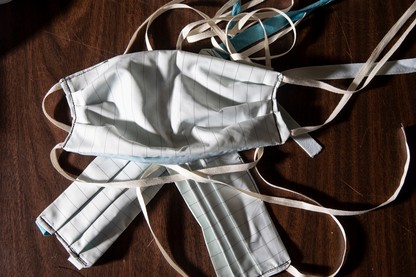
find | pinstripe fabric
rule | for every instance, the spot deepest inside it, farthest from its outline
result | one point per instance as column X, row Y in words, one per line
column 172, row 107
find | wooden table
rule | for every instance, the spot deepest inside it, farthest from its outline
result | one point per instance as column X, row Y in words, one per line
column 360, row 166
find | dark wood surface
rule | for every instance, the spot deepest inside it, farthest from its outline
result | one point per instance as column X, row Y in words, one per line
column 360, row 166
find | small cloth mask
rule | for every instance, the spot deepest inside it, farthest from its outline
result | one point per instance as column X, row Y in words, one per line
column 88, row 219
column 172, row 107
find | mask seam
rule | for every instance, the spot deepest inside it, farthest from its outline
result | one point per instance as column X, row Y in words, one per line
column 285, row 264
column 90, row 68
column 68, row 247
column 68, row 93
column 71, row 104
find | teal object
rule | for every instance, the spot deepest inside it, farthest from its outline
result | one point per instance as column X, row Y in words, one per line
column 272, row 25
column 236, row 8
column 43, row 230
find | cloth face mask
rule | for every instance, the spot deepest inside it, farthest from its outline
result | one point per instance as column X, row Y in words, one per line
column 238, row 231
column 172, row 107
column 88, row 219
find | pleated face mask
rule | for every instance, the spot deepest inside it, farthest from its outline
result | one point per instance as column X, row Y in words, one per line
column 88, row 219
column 171, row 107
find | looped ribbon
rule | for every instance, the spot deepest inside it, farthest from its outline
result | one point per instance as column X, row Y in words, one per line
column 238, row 25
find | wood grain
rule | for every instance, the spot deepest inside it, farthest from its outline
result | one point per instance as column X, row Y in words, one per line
column 361, row 165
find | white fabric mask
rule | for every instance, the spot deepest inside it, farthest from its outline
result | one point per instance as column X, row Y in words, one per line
column 240, row 236
column 88, row 219
column 172, row 107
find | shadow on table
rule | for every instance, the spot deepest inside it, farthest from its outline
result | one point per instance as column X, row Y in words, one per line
column 21, row 19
